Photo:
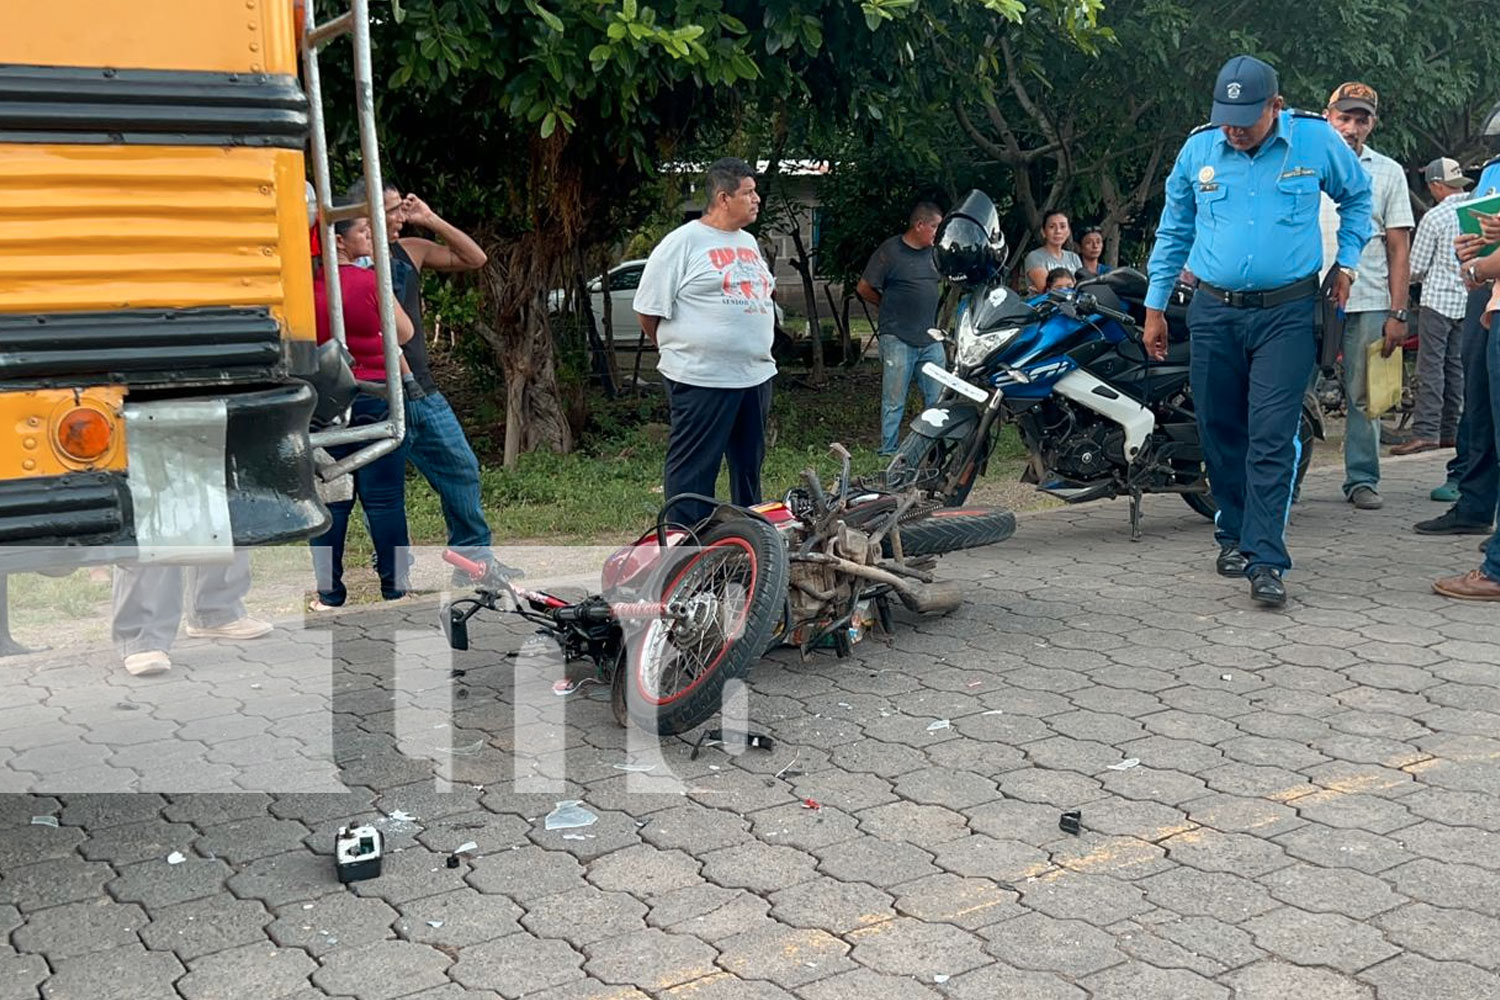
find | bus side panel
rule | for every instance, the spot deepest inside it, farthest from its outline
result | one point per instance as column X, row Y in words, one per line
column 98, row 228
column 230, row 36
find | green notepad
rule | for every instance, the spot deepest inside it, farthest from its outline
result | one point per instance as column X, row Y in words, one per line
column 1468, row 224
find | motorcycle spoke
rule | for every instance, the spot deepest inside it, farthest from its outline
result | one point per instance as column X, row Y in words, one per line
column 678, row 658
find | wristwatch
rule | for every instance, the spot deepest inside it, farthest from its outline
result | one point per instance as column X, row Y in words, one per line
column 1400, row 315
column 1350, row 273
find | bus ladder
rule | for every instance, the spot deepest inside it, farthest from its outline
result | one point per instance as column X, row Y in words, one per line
column 385, row 436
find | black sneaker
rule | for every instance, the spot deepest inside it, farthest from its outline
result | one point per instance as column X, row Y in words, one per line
column 1451, row 523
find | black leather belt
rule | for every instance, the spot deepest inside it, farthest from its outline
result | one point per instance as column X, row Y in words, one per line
column 1299, row 289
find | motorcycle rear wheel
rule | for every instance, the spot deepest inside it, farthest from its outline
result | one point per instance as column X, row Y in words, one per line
column 677, row 670
column 922, row 462
column 952, row 528
column 1205, row 504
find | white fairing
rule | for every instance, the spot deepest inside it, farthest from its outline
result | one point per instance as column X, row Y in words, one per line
column 1079, row 386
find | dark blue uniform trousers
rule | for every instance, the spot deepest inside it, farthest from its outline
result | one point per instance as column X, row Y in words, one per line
column 1474, row 466
column 708, row 425
column 1249, row 370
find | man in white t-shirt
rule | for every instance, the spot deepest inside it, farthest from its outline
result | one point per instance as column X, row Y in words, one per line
column 705, row 300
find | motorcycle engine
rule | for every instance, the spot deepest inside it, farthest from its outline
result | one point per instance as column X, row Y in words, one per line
column 816, row 589
column 1082, row 446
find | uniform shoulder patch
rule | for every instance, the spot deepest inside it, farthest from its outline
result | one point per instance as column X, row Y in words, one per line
column 1490, row 162
column 1205, row 127
column 1299, row 113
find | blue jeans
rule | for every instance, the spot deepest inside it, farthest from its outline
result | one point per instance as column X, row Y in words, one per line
column 901, row 361
column 380, row 487
column 1361, row 433
column 1251, row 362
column 437, row 447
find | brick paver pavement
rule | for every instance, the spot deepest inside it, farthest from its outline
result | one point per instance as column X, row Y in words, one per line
column 1314, row 813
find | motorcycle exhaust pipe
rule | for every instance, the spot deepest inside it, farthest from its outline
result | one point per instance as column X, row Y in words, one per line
column 939, row 598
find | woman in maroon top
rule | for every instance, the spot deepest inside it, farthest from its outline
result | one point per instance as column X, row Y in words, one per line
column 380, row 486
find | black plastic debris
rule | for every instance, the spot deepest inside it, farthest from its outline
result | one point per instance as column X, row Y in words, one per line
column 357, row 853
column 713, row 737
column 1071, row 822
column 452, row 861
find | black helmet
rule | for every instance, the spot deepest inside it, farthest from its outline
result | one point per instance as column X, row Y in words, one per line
column 969, row 246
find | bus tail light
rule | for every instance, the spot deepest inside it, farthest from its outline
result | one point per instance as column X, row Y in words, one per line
column 84, row 434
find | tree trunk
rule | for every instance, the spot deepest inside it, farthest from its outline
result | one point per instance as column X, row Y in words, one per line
column 611, row 369
column 841, row 324
column 519, row 274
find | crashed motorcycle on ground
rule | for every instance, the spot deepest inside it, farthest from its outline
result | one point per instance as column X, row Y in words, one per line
column 1097, row 416
column 684, row 609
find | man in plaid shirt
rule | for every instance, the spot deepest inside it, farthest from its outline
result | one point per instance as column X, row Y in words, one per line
column 1440, row 371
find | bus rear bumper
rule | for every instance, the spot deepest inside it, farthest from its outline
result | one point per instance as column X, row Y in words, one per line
column 205, row 475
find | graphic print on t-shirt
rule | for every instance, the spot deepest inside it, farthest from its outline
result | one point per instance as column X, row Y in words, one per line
column 745, row 280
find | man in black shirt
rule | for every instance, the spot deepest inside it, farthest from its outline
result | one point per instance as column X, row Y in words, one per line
column 436, row 442
column 902, row 281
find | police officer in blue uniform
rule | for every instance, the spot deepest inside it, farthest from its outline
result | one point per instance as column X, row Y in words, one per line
column 1242, row 214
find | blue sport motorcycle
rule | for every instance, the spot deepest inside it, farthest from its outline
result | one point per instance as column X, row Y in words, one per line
column 1098, row 417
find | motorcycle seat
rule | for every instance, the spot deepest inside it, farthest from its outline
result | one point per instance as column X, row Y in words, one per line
column 1124, row 289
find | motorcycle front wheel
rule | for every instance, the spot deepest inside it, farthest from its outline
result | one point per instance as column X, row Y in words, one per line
column 923, row 463
column 730, row 588
column 1205, row 504
column 951, row 529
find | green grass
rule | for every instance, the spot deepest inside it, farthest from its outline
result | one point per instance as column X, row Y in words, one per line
column 610, row 487
column 59, row 601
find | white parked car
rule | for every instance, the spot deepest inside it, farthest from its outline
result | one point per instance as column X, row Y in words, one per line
column 624, row 279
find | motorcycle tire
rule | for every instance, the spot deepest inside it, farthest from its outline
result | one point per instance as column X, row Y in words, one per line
column 952, row 528
column 922, row 462
column 677, row 673
column 1204, row 503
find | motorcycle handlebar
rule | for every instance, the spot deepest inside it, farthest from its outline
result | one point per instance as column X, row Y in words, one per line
column 469, row 566
column 1088, row 303
column 590, row 613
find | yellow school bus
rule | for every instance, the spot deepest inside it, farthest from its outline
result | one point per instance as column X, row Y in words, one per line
column 157, row 335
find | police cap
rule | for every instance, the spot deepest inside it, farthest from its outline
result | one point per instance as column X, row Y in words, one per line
column 1244, row 86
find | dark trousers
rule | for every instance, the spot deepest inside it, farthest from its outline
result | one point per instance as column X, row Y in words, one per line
column 1249, row 370
column 709, row 425
column 1474, row 465
column 380, row 487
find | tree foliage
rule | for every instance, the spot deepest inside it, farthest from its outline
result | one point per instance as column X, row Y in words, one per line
column 542, row 124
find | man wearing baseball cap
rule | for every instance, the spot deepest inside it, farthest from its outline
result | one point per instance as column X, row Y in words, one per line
column 1440, row 369
column 1376, row 309
column 1242, row 214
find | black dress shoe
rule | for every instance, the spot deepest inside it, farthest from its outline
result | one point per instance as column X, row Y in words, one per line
column 1231, row 561
column 1266, row 587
